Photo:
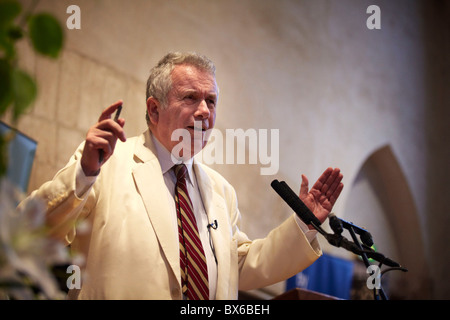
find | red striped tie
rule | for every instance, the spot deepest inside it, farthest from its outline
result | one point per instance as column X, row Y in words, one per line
column 194, row 271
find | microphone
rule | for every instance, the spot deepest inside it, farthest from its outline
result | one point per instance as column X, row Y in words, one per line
column 213, row 225
column 335, row 223
column 365, row 235
column 292, row 199
column 339, row 241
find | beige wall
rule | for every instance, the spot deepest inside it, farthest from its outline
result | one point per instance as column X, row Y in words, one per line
column 337, row 91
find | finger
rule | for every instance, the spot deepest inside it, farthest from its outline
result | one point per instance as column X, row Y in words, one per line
column 322, row 179
column 116, row 128
column 101, row 139
column 330, row 180
column 106, row 114
column 105, row 145
column 336, row 194
column 96, row 149
column 304, row 186
column 334, row 185
column 121, row 122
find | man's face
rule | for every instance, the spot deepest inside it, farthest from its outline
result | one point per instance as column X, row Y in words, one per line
column 192, row 100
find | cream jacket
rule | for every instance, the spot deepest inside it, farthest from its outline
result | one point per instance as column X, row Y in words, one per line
column 128, row 245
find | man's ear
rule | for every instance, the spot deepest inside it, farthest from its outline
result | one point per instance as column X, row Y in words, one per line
column 153, row 106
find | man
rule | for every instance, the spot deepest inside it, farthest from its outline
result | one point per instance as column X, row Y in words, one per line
column 136, row 245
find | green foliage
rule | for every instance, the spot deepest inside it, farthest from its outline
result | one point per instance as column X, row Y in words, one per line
column 9, row 10
column 18, row 89
column 46, row 34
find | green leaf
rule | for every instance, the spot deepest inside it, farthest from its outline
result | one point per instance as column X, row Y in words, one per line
column 24, row 92
column 46, row 34
column 6, row 96
column 9, row 10
column 15, row 33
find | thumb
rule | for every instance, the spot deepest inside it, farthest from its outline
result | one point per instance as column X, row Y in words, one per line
column 304, row 186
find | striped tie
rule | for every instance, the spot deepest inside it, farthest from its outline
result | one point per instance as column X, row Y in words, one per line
column 194, row 272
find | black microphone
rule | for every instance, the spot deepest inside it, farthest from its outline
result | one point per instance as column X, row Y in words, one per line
column 335, row 223
column 338, row 224
column 213, row 225
column 292, row 199
column 339, row 241
column 365, row 235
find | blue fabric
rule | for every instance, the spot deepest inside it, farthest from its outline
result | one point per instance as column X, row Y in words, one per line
column 329, row 275
column 21, row 151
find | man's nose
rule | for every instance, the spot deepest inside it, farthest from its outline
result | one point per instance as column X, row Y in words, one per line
column 203, row 110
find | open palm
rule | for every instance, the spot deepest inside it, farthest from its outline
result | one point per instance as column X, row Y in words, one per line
column 323, row 194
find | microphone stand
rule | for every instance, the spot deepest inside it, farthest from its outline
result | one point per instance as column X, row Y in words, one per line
column 337, row 225
column 367, row 264
column 357, row 248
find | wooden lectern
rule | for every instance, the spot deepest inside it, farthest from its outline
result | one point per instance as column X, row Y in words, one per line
column 304, row 294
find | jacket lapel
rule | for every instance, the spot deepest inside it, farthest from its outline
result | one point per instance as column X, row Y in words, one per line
column 150, row 182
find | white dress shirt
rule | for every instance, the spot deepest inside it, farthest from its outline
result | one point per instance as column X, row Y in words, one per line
column 201, row 217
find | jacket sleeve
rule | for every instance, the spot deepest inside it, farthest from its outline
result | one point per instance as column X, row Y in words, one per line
column 64, row 208
column 284, row 252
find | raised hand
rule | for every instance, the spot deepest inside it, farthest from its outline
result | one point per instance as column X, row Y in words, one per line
column 102, row 138
column 324, row 193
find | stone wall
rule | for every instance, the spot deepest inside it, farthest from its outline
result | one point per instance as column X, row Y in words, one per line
column 336, row 90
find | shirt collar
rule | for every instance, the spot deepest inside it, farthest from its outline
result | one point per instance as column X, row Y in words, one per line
column 165, row 159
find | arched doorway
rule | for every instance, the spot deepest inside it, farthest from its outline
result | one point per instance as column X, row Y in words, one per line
column 380, row 200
